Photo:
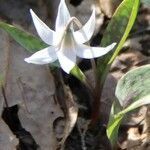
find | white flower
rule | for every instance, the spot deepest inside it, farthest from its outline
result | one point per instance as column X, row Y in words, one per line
column 65, row 43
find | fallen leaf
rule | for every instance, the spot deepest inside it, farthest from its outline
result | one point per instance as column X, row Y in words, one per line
column 8, row 141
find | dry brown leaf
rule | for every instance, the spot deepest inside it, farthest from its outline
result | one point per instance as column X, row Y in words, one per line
column 38, row 114
column 7, row 140
column 146, row 131
column 66, row 100
column 71, row 114
column 108, row 6
column 31, row 87
column 3, row 63
column 128, row 60
column 134, row 141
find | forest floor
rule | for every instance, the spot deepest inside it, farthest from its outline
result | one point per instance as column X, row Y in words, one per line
column 32, row 118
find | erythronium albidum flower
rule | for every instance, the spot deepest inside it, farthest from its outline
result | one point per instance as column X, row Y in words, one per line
column 65, row 43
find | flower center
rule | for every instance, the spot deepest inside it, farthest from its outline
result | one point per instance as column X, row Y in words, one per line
column 66, row 36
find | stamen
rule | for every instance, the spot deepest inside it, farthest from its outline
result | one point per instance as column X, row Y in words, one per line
column 79, row 24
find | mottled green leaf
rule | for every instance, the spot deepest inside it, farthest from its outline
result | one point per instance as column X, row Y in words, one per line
column 135, row 83
column 115, row 119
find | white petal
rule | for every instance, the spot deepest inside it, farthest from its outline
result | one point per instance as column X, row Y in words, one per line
column 63, row 16
column 45, row 33
column 66, row 52
column 67, row 59
column 84, row 34
column 43, row 56
column 88, row 52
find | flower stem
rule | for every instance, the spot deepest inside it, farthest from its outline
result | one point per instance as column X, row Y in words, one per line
column 97, row 91
column 100, row 80
column 78, row 23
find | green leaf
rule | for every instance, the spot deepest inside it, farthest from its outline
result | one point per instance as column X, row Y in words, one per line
column 112, row 129
column 115, row 119
column 25, row 39
column 114, row 122
column 135, row 83
column 78, row 74
column 117, row 31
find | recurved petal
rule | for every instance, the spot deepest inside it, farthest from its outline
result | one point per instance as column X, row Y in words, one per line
column 88, row 52
column 44, row 56
column 45, row 33
column 63, row 16
column 67, row 59
column 84, row 34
